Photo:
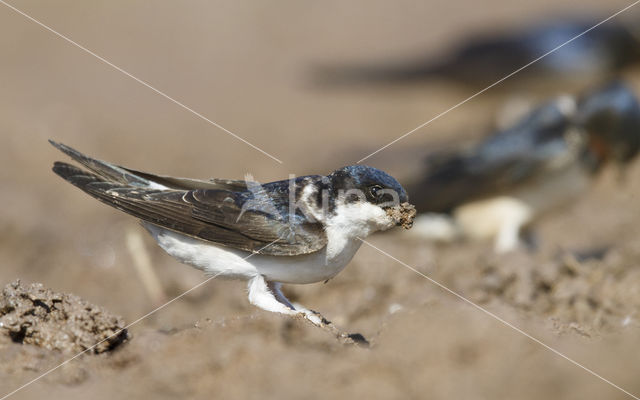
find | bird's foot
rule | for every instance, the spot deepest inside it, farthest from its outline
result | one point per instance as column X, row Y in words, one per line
column 312, row 316
column 321, row 322
column 269, row 297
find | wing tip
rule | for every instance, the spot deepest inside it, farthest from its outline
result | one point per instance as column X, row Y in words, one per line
column 71, row 152
column 60, row 146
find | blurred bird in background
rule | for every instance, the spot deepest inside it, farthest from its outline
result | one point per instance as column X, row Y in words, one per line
column 484, row 59
column 543, row 161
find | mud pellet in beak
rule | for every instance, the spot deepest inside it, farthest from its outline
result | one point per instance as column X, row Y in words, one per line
column 403, row 214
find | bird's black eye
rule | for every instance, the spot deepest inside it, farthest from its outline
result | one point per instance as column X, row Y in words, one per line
column 373, row 190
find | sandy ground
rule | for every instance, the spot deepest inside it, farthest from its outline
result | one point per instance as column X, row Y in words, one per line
column 245, row 67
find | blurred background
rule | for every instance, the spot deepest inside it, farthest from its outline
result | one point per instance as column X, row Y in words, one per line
column 259, row 70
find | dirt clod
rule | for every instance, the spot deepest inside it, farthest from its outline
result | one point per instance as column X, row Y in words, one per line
column 32, row 314
column 403, row 214
column 597, row 295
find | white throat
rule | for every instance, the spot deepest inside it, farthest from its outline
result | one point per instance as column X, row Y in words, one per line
column 351, row 222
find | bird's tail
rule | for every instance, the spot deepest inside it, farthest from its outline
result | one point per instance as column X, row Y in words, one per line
column 361, row 75
column 75, row 175
column 133, row 178
column 108, row 172
column 113, row 185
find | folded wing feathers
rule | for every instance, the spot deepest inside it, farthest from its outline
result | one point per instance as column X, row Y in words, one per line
column 208, row 211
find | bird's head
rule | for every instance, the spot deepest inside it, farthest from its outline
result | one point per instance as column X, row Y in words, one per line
column 610, row 117
column 368, row 195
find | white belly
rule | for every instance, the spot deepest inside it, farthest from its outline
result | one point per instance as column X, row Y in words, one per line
column 231, row 263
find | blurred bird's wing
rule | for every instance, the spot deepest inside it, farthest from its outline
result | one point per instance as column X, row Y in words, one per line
column 500, row 164
column 484, row 58
column 215, row 214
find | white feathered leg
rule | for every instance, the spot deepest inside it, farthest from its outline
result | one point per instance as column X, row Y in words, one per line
column 275, row 289
column 267, row 295
column 261, row 296
column 312, row 316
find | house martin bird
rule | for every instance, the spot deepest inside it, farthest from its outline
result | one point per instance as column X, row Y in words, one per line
column 484, row 59
column 546, row 159
column 302, row 230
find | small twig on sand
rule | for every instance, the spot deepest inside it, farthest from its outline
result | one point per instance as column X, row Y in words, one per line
column 142, row 263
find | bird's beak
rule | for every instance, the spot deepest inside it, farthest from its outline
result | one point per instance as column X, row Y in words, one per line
column 403, row 214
